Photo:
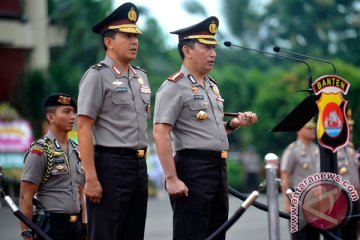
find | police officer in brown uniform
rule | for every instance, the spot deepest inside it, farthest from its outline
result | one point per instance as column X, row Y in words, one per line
column 348, row 168
column 300, row 160
column 188, row 119
column 113, row 109
column 53, row 173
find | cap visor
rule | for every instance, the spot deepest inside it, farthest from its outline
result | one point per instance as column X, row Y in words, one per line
column 208, row 42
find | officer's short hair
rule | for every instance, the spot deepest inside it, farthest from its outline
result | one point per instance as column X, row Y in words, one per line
column 109, row 34
column 182, row 43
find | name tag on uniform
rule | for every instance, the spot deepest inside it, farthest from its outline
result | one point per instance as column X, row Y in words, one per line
column 121, row 89
column 201, row 97
column 58, row 161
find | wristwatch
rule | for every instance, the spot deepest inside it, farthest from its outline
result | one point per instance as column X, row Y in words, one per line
column 26, row 233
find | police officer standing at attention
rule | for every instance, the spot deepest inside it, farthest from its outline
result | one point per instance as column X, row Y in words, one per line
column 190, row 108
column 348, row 168
column 300, row 160
column 53, row 173
column 113, row 108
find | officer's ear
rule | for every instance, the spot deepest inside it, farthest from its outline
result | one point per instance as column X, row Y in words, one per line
column 186, row 50
column 108, row 42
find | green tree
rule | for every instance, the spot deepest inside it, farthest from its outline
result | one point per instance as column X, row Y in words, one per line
column 325, row 28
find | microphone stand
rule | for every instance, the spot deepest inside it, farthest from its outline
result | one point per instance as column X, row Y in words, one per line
column 10, row 203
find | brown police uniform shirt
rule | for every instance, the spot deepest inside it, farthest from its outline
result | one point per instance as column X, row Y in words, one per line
column 60, row 193
column 300, row 161
column 348, row 165
column 179, row 102
column 118, row 101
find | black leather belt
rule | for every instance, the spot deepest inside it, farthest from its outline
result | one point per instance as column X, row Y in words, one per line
column 202, row 153
column 63, row 216
column 126, row 152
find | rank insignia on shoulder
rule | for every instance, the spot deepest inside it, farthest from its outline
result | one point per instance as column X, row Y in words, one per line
column 211, row 79
column 138, row 68
column 98, row 66
column 176, row 76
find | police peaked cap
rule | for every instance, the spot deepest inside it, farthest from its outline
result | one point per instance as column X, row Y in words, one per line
column 122, row 19
column 59, row 99
column 203, row 32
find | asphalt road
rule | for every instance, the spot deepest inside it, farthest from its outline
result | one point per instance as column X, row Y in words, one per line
column 252, row 225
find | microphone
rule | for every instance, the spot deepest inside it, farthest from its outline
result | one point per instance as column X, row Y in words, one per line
column 278, row 49
column 229, row 44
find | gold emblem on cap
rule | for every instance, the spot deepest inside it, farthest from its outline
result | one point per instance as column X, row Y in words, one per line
column 216, row 90
column 212, row 27
column 201, row 116
column 132, row 15
column 64, row 100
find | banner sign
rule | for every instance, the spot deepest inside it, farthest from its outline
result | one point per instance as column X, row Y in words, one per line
column 15, row 136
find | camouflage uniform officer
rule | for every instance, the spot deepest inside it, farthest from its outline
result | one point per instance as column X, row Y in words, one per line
column 114, row 106
column 190, row 108
column 300, row 160
column 348, row 168
column 53, row 173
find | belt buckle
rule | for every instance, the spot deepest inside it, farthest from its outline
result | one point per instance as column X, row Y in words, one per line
column 140, row 153
column 73, row 218
column 224, row 154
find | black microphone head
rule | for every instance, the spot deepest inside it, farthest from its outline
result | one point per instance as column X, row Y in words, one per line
column 276, row 49
column 227, row 43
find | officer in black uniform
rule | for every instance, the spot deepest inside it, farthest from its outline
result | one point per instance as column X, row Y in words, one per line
column 113, row 109
column 53, row 173
column 189, row 106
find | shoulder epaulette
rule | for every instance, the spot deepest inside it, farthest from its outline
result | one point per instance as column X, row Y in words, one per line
column 292, row 145
column 211, row 79
column 139, row 68
column 176, row 76
column 98, row 66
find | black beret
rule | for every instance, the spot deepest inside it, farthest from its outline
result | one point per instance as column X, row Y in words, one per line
column 59, row 99
column 122, row 19
column 203, row 32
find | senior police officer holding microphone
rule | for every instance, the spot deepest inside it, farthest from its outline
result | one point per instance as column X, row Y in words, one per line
column 188, row 119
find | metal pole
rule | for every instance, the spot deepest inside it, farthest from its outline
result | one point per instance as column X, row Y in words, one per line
column 271, row 167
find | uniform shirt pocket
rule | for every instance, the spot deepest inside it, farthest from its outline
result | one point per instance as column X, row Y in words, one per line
column 197, row 104
column 59, row 167
column 120, row 98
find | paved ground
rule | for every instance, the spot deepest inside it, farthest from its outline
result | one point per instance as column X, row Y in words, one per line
column 252, row 225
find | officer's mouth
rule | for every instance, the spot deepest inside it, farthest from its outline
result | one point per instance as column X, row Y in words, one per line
column 133, row 50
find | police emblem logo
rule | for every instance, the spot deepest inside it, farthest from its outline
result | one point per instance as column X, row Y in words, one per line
column 212, row 27
column 132, row 16
column 64, row 100
column 216, row 90
column 195, row 90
